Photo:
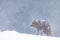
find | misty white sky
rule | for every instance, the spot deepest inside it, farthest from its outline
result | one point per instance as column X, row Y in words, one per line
column 18, row 14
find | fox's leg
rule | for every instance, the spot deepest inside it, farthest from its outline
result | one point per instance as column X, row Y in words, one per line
column 49, row 32
column 41, row 32
column 37, row 31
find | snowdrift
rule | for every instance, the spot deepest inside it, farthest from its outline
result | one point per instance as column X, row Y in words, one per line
column 13, row 35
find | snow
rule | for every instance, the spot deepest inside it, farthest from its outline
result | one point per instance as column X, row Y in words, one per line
column 13, row 35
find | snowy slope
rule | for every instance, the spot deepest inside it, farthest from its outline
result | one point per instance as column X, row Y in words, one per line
column 13, row 35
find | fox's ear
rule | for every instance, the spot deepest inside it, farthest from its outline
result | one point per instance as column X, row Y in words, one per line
column 33, row 20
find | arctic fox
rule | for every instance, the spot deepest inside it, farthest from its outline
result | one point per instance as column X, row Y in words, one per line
column 42, row 26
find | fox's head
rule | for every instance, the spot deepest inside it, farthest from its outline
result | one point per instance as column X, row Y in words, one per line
column 34, row 23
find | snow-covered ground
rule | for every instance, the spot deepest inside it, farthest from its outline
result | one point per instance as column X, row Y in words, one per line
column 13, row 35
